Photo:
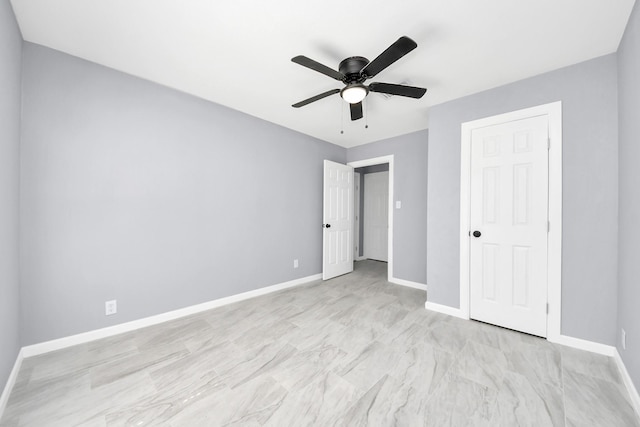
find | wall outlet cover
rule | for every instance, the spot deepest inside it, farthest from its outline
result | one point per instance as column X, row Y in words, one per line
column 110, row 307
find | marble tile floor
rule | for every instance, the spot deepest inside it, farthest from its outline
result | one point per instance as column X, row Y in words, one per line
column 352, row 351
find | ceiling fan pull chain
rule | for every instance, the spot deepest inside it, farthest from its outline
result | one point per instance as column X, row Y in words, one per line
column 366, row 114
column 342, row 119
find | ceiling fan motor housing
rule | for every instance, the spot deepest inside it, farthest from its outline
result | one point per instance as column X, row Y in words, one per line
column 351, row 68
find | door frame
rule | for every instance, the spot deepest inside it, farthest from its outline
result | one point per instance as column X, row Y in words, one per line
column 377, row 161
column 554, row 243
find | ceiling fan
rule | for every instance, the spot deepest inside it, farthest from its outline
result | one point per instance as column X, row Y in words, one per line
column 354, row 70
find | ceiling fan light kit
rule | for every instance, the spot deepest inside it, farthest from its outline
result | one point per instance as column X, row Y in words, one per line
column 353, row 72
column 354, row 93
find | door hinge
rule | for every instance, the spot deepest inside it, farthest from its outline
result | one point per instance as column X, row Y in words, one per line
column 547, row 308
column 548, row 143
column 548, row 226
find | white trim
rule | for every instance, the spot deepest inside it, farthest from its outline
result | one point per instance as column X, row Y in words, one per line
column 554, row 265
column 11, row 381
column 45, row 347
column 378, row 161
column 554, row 274
column 361, row 258
column 445, row 309
column 628, row 382
column 465, row 210
column 408, row 283
column 580, row 344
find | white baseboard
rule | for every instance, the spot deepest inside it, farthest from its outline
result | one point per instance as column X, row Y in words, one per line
column 408, row 283
column 628, row 382
column 581, row 344
column 57, row 344
column 4, row 398
column 445, row 309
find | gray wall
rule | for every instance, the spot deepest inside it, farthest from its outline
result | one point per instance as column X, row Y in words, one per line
column 410, row 178
column 588, row 92
column 135, row 192
column 629, row 226
column 10, row 63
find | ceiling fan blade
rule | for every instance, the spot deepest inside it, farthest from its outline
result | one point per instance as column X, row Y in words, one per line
column 397, row 50
column 315, row 98
column 316, row 66
column 400, row 90
column 356, row 111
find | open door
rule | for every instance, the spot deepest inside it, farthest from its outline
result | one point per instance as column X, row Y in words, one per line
column 337, row 220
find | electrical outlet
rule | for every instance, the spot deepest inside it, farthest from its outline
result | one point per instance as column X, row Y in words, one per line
column 623, row 338
column 110, row 307
column 295, row 263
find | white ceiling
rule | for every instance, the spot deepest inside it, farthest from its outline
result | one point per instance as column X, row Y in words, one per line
column 237, row 53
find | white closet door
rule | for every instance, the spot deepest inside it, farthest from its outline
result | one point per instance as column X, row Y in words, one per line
column 509, row 220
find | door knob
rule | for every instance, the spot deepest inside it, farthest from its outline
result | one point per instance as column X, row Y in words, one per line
column 477, row 233
column 326, row 225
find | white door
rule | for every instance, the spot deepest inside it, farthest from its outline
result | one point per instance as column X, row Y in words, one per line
column 509, row 225
column 376, row 216
column 337, row 221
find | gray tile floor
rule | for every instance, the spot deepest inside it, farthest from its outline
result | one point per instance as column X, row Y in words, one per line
column 351, row 351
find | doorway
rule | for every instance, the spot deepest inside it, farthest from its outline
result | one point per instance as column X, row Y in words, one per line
column 373, row 221
column 373, row 166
